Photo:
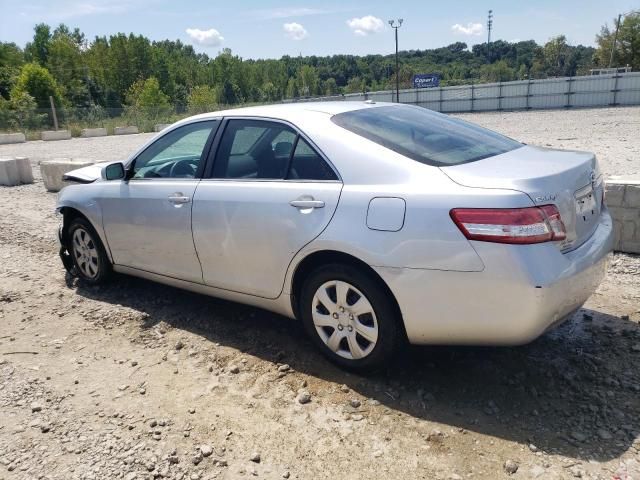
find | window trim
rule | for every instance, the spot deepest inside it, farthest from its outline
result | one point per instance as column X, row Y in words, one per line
column 213, row 153
column 203, row 156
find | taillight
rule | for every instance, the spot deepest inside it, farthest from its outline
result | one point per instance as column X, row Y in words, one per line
column 510, row 225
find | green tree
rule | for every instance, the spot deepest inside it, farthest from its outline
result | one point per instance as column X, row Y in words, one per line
column 330, row 86
column 146, row 94
column 556, row 54
column 230, row 93
column 39, row 83
column 355, row 85
column 270, row 92
column 38, row 49
column 308, row 81
column 497, row 72
column 627, row 51
column 202, row 98
column 66, row 64
column 292, row 88
column 11, row 60
column 24, row 108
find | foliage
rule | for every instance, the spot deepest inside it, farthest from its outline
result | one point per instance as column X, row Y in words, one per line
column 627, row 51
column 146, row 103
column 202, row 98
column 20, row 113
column 499, row 71
column 11, row 61
column 37, row 82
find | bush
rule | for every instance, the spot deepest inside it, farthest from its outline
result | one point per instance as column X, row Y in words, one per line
column 202, row 99
column 37, row 82
column 147, row 105
column 20, row 113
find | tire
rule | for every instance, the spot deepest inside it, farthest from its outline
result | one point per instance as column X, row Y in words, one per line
column 87, row 252
column 359, row 336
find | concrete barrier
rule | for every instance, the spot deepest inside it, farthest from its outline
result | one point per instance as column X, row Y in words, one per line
column 6, row 138
column 9, row 173
column 52, row 135
column 93, row 132
column 623, row 200
column 24, row 170
column 53, row 170
column 160, row 126
column 125, row 130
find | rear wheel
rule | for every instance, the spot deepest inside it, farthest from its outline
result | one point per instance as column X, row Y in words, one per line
column 349, row 317
column 87, row 252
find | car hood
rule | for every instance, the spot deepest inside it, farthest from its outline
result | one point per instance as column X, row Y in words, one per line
column 85, row 174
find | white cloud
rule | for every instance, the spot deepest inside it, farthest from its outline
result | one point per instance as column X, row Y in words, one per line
column 206, row 38
column 366, row 25
column 470, row 29
column 295, row 31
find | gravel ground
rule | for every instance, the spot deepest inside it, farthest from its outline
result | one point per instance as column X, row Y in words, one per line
column 136, row 380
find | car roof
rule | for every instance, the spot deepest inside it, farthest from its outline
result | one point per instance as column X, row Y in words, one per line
column 289, row 111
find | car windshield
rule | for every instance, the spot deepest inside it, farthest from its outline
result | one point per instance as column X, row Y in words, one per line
column 424, row 135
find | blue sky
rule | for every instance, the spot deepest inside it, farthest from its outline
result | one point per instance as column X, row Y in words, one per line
column 272, row 28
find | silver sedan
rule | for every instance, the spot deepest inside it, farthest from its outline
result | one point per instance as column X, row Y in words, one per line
column 373, row 224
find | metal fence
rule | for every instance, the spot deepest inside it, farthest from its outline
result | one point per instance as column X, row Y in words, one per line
column 565, row 92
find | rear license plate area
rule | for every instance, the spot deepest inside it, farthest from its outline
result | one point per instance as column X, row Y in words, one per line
column 586, row 204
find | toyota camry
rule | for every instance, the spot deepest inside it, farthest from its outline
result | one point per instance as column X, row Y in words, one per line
column 373, row 224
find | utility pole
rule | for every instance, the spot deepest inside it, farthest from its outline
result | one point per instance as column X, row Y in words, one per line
column 615, row 39
column 396, row 27
column 489, row 26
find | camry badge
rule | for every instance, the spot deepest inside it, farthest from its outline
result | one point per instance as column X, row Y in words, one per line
column 546, row 198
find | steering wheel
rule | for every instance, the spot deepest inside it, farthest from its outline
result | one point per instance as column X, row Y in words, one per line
column 184, row 168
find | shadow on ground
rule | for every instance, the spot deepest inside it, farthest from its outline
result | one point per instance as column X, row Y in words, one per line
column 575, row 391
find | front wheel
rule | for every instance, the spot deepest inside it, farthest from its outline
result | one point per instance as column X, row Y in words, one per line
column 87, row 252
column 349, row 317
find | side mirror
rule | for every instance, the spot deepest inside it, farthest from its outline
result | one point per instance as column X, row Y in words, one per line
column 114, row 171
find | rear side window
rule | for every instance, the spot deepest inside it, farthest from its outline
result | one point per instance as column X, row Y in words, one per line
column 306, row 164
column 425, row 136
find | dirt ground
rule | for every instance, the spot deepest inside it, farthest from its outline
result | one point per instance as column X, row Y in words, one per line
column 136, row 380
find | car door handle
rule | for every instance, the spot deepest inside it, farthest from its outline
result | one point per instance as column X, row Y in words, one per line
column 178, row 198
column 307, row 203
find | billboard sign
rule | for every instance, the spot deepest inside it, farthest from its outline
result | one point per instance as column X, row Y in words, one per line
column 426, row 80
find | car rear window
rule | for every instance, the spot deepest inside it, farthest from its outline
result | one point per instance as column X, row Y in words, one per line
column 424, row 135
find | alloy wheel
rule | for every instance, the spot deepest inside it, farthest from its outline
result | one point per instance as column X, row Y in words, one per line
column 85, row 253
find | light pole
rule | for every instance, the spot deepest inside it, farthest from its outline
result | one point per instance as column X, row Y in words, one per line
column 396, row 27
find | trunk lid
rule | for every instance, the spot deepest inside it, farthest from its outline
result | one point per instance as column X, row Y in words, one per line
column 570, row 180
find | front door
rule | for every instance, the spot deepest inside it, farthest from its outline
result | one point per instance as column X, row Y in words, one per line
column 269, row 195
column 147, row 218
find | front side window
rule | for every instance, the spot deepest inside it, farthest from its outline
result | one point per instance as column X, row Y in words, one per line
column 175, row 155
column 425, row 136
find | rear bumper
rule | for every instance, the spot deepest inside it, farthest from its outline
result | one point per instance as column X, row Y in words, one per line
column 523, row 291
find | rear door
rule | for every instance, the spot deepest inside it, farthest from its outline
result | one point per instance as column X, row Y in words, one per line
column 269, row 193
column 147, row 218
